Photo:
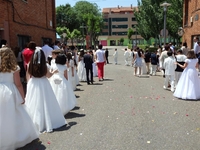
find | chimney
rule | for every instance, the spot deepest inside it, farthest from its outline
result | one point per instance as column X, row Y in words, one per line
column 131, row 6
column 118, row 6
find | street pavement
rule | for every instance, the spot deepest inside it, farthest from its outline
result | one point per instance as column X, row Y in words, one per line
column 125, row 112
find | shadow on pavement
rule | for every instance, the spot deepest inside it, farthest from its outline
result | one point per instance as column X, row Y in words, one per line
column 65, row 127
column 34, row 145
column 76, row 108
column 77, row 89
column 77, row 96
column 108, row 80
column 97, row 84
column 71, row 115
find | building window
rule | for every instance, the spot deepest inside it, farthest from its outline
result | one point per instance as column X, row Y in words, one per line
column 119, row 33
column 133, row 19
column 186, row 13
column 119, row 19
column 133, row 25
column 104, row 33
column 120, row 26
column 105, row 27
column 105, row 20
column 23, row 40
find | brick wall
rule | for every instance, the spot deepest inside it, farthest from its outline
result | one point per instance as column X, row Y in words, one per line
column 191, row 21
column 32, row 18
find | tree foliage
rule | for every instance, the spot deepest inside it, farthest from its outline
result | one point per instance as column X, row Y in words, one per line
column 85, row 17
column 149, row 16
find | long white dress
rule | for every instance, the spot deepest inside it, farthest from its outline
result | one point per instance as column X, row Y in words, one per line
column 71, row 78
column 95, row 72
column 189, row 83
column 81, row 70
column 62, row 89
column 16, row 126
column 43, row 106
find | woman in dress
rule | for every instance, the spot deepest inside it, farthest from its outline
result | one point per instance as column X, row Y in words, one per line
column 94, row 65
column 16, row 128
column 189, row 83
column 81, row 67
column 40, row 98
column 138, row 62
column 61, row 87
column 70, row 66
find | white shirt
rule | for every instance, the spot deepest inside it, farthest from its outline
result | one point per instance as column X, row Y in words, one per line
column 181, row 58
column 115, row 54
column 169, row 66
column 196, row 48
column 55, row 47
column 100, row 55
column 126, row 54
column 47, row 51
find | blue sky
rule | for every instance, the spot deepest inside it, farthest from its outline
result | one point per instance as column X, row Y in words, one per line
column 101, row 3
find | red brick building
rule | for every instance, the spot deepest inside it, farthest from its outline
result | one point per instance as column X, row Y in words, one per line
column 25, row 20
column 191, row 21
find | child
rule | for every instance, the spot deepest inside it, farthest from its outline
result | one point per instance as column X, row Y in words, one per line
column 154, row 63
column 81, row 67
column 180, row 58
column 189, row 82
column 115, row 56
column 71, row 76
column 169, row 66
column 16, row 126
column 126, row 56
column 61, row 87
column 40, row 98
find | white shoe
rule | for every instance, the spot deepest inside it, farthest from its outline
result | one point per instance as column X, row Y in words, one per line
column 164, row 87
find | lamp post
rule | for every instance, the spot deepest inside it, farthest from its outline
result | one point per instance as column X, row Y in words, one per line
column 165, row 5
column 135, row 36
column 83, row 27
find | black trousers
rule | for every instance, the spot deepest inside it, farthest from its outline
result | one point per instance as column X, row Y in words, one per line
column 107, row 59
column 89, row 70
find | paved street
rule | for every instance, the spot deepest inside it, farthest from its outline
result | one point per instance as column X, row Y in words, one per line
column 125, row 112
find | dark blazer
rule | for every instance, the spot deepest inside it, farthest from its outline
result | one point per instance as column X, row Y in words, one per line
column 87, row 58
column 106, row 53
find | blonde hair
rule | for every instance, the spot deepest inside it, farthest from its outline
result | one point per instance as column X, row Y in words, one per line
column 8, row 62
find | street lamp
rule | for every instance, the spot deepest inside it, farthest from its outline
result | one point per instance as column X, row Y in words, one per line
column 83, row 27
column 165, row 5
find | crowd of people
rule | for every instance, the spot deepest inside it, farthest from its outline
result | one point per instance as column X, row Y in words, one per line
column 180, row 67
column 51, row 75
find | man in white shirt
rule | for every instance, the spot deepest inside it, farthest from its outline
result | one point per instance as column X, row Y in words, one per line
column 126, row 56
column 47, row 50
column 196, row 46
column 57, row 45
column 100, row 60
column 115, row 56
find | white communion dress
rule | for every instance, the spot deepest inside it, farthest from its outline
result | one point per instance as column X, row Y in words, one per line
column 81, row 70
column 62, row 89
column 189, row 83
column 43, row 106
column 16, row 126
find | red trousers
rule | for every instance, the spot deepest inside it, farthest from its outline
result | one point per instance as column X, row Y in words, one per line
column 100, row 66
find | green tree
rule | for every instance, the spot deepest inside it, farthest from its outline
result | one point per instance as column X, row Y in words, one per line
column 66, row 17
column 121, row 41
column 149, row 16
column 130, row 33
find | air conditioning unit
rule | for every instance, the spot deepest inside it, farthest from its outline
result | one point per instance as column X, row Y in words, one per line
column 191, row 19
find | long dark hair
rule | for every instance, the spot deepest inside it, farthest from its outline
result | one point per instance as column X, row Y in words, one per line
column 139, row 52
column 38, row 66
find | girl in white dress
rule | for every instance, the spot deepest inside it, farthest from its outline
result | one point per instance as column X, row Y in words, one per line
column 94, row 65
column 61, row 87
column 16, row 126
column 70, row 66
column 189, row 83
column 40, row 98
column 81, row 67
